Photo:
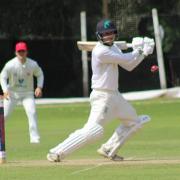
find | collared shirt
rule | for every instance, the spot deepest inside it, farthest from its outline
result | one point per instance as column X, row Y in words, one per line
column 18, row 77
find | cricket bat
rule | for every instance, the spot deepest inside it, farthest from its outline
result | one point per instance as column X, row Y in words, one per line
column 89, row 45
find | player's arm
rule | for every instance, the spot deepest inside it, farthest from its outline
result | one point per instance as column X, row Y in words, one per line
column 127, row 60
column 38, row 73
column 3, row 80
column 134, row 62
column 144, row 47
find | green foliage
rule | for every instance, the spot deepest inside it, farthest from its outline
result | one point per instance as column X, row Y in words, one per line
column 171, row 26
column 44, row 19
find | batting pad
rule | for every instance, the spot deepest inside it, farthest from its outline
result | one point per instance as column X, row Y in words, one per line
column 78, row 139
column 122, row 133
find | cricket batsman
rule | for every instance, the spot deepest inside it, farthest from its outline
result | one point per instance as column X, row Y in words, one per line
column 106, row 101
column 17, row 82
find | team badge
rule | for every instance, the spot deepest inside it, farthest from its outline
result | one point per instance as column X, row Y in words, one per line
column 21, row 81
column 106, row 24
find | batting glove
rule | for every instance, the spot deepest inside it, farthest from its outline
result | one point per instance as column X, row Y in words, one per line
column 137, row 43
column 147, row 50
column 148, row 46
column 149, row 41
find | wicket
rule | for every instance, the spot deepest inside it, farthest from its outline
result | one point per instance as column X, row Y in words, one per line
column 2, row 134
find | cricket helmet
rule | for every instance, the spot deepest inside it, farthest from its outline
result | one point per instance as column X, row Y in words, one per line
column 105, row 26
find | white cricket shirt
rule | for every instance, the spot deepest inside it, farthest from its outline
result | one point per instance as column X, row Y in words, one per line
column 18, row 77
column 105, row 61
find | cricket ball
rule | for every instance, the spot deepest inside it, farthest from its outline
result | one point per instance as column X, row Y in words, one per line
column 154, row 68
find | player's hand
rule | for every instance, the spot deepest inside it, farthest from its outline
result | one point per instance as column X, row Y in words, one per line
column 148, row 46
column 147, row 50
column 6, row 95
column 137, row 43
column 149, row 41
column 38, row 92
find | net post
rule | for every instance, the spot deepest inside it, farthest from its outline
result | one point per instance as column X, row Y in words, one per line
column 84, row 55
column 160, row 58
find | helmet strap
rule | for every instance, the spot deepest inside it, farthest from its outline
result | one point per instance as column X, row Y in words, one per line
column 100, row 38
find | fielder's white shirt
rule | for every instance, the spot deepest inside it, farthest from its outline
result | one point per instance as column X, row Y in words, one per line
column 18, row 77
column 105, row 61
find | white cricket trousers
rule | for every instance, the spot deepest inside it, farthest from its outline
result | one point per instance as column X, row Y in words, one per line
column 105, row 106
column 108, row 105
column 29, row 105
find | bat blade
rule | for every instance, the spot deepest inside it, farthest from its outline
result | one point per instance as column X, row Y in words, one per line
column 89, row 45
column 86, row 45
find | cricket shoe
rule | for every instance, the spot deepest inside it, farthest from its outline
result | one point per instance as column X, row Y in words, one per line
column 103, row 152
column 53, row 157
column 144, row 119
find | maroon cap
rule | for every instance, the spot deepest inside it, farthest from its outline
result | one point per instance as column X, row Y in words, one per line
column 21, row 46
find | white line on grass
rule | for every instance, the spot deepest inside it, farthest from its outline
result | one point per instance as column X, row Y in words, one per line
column 96, row 166
column 86, row 169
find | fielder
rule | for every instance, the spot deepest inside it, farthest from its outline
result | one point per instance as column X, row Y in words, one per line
column 106, row 101
column 18, row 85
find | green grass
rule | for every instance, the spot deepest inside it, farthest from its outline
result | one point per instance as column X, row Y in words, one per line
column 158, row 140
